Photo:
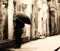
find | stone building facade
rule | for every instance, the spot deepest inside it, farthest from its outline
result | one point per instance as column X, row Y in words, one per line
column 54, row 18
column 44, row 15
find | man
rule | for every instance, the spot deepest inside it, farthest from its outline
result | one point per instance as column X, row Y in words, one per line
column 18, row 32
column 20, row 22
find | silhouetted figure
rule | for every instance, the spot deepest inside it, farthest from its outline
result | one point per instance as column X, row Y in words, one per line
column 18, row 30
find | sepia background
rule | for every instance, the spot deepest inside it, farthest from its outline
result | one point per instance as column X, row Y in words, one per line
column 44, row 15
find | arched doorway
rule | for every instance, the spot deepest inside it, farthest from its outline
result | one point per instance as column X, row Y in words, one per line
column 4, row 19
column 52, row 24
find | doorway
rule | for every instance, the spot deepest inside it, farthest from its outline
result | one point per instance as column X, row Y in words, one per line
column 52, row 23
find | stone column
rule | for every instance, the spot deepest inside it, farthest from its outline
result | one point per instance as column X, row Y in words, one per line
column 10, row 19
column 57, row 6
column 1, row 32
column 33, row 18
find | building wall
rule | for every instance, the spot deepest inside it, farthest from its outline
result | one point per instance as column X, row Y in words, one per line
column 43, row 18
column 54, row 16
column 58, row 11
column 0, row 22
column 28, row 12
column 38, row 12
column 24, row 6
column 3, row 20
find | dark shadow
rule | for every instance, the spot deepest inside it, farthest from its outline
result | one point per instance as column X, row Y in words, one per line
column 57, row 49
column 5, row 50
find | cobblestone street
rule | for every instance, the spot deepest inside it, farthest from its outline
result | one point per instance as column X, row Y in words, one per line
column 47, row 44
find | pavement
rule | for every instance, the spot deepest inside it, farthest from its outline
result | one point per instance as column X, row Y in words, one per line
column 47, row 44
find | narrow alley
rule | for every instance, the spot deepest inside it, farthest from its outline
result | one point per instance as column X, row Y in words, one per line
column 47, row 44
column 40, row 18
